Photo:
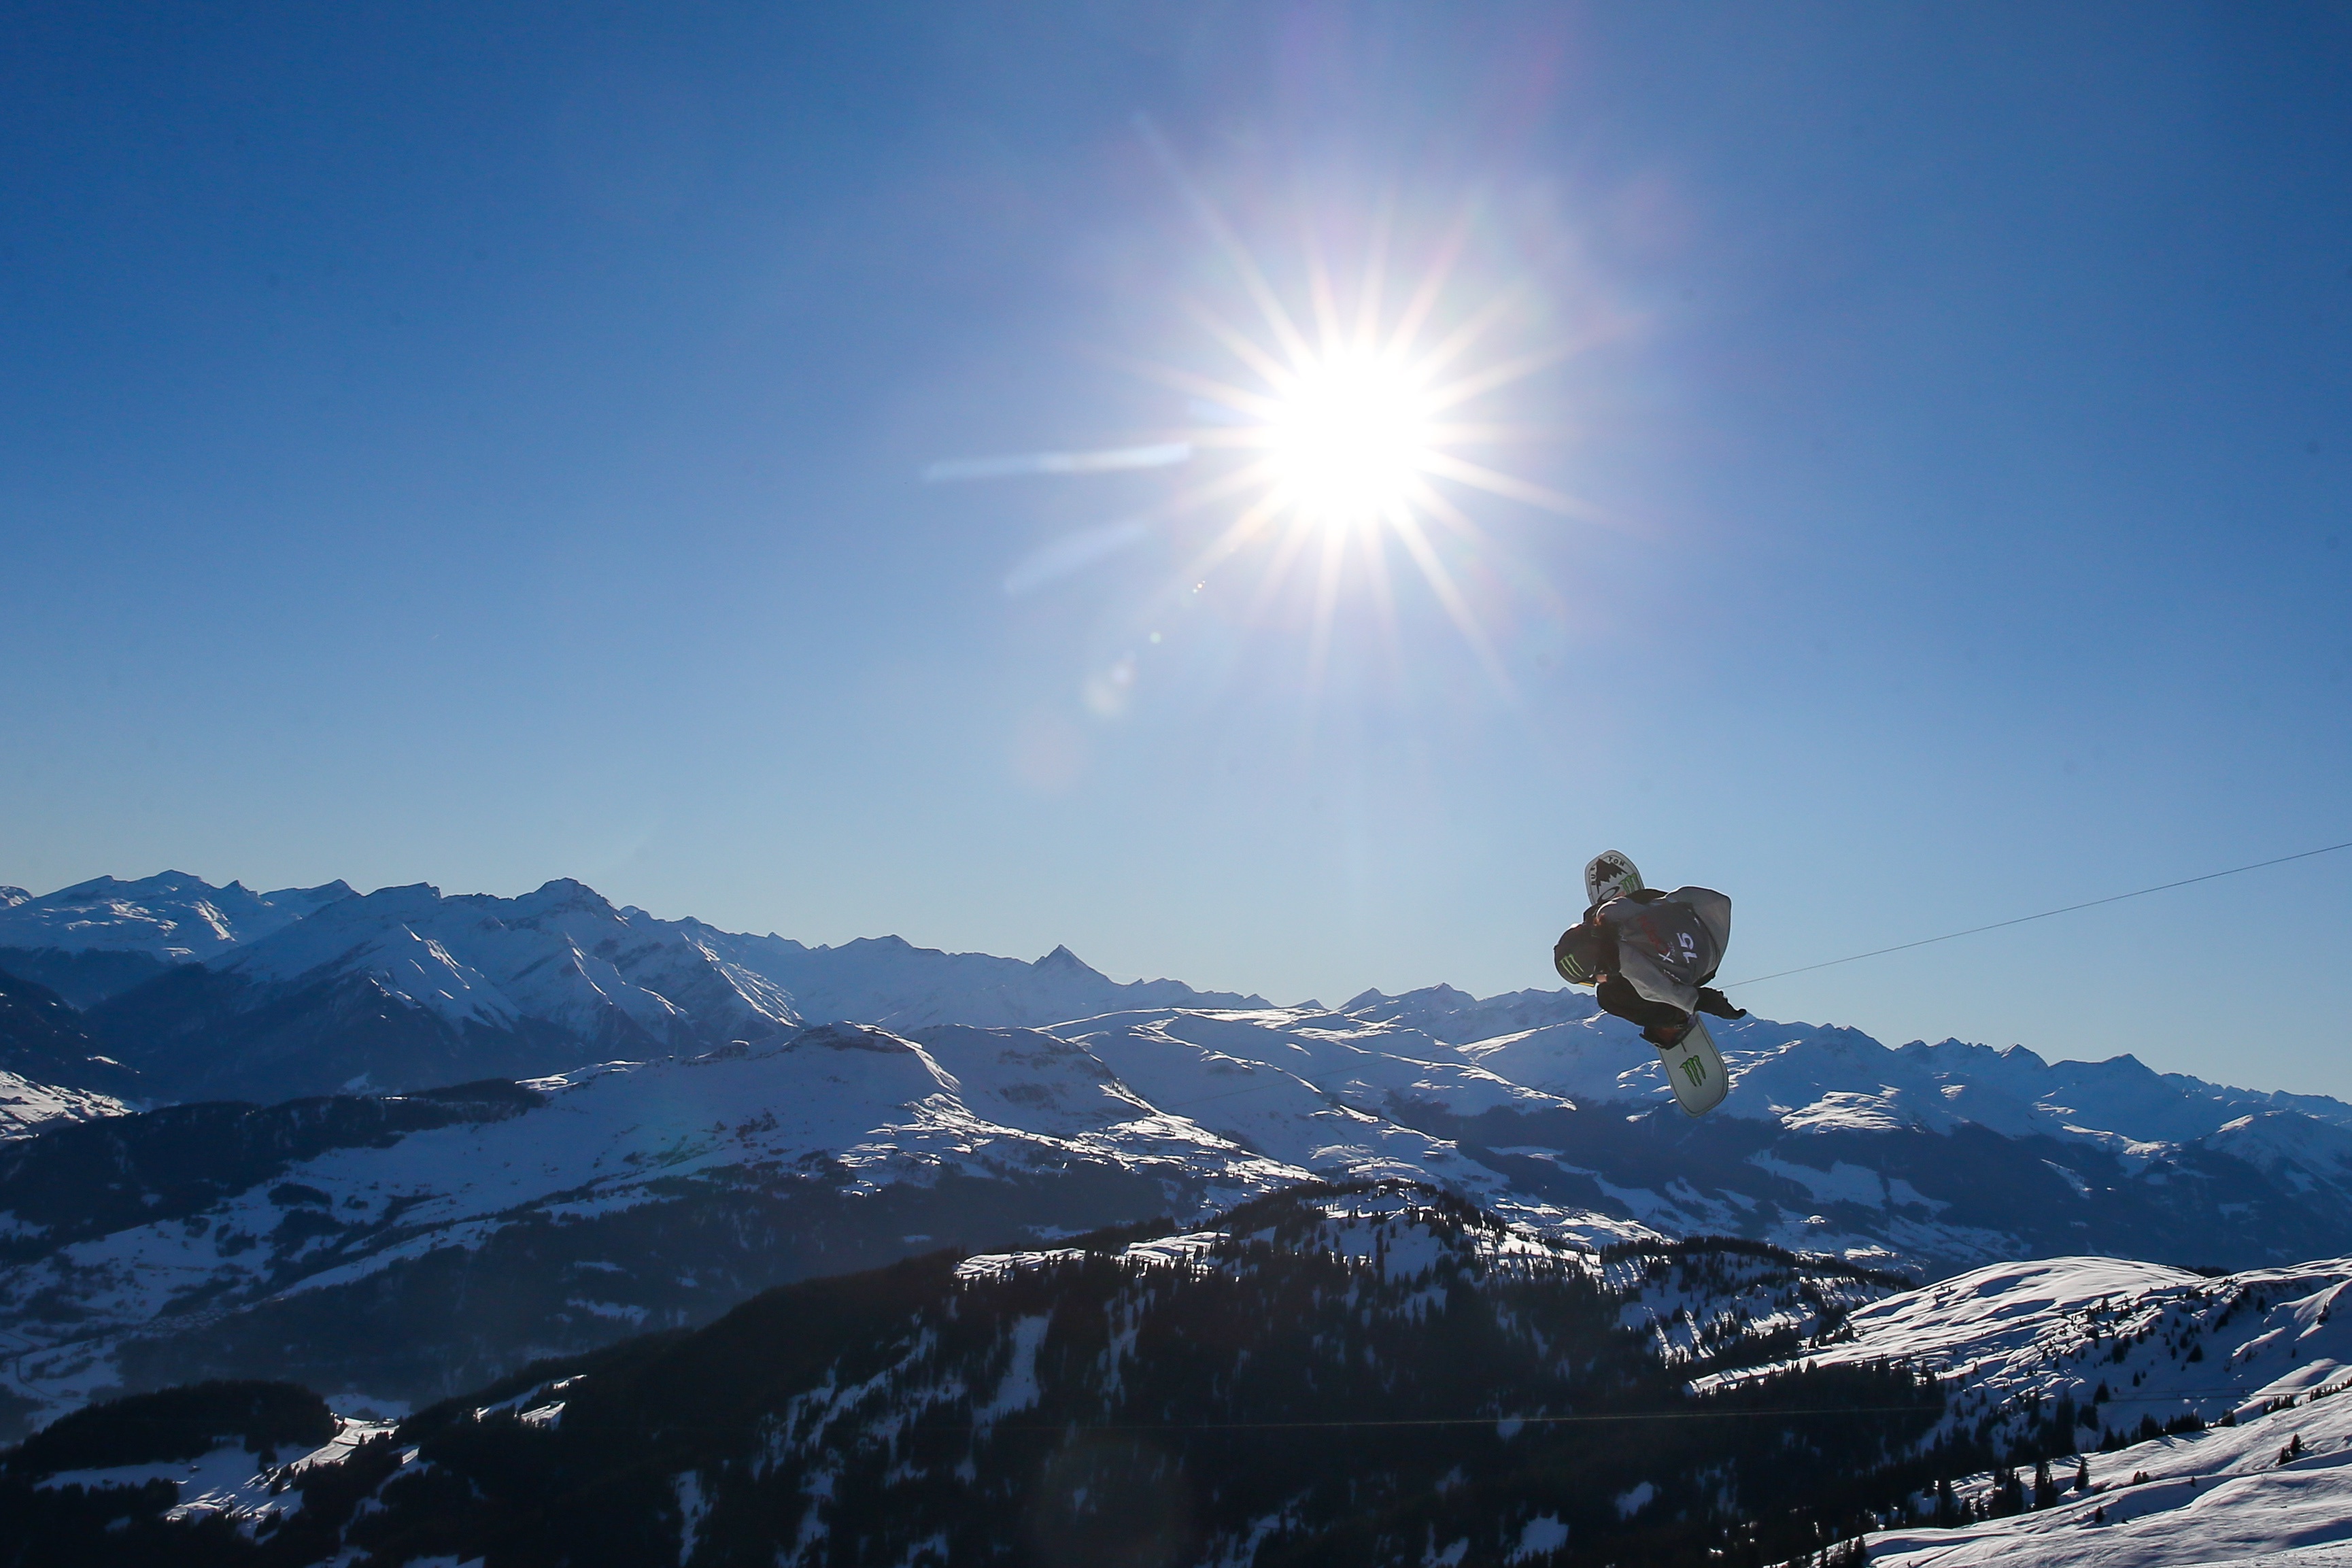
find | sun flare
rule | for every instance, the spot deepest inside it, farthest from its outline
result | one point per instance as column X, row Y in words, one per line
column 1345, row 435
column 1336, row 439
column 1347, row 438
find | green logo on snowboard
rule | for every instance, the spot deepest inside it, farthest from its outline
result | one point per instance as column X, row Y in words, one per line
column 1695, row 1068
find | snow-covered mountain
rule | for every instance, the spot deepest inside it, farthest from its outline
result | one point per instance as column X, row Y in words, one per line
column 603, row 1201
column 1828, row 1077
column 1930, row 1158
column 661, row 1192
column 42, row 1041
column 29, row 1104
column 403, row 988
column 307, row 990
column 171, row 916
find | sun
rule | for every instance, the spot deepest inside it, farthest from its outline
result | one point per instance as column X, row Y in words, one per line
column 1336, row 437
column 1345, row 435
column 1347, row 438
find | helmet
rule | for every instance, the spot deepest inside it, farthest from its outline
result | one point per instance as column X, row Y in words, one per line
column 1578, row 954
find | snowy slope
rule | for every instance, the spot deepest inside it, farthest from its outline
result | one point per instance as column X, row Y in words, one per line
column 852, row 1112
column 42, row 1043
column 2123, row 1341
column 2249, row 1365
column 1380, row 1089
column 1178, row 1111
column 2274, row 1492
column 28, row 1105
column 172, row 915
column 230, row 1482
column 1831, row 1168
column 405, row 987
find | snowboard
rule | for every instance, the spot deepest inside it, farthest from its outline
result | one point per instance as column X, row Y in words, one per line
column 1695, row 1068
column 1609, row 875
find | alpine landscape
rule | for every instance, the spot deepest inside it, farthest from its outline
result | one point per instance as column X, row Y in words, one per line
column 1186, row 784
column 387, row 1223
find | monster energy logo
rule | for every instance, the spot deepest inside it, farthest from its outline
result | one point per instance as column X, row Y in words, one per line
column 1695, row 1070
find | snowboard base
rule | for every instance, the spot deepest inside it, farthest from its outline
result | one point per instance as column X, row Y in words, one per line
column 1609, row 875
column 1695, row 1067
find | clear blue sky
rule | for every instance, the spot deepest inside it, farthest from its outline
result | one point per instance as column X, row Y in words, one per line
column 484, row 443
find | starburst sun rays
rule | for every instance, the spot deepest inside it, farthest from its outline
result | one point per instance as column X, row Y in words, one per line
column 1331, row 434
column 1341, row 432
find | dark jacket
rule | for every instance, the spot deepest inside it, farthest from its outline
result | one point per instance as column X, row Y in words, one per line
column 1668, row 944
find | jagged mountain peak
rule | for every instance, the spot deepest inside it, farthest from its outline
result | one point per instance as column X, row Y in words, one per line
column 566, row 893
column 405, row 987
column 172, row 916
column 165, row 881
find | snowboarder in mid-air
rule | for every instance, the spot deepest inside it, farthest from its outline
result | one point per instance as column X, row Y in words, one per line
column 1649, row 956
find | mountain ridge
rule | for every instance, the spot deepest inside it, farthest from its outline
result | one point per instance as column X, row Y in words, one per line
column 686, row 1128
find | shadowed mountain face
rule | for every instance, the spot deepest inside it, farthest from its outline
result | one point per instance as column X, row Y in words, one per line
column 42, row 1039
column 83, row 979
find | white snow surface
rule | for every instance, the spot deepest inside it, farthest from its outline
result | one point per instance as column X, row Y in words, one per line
column 2235, row 1495
column 26, row 1105
column 1390, row 1228
column 1142, row 1076
column 1248, row 1098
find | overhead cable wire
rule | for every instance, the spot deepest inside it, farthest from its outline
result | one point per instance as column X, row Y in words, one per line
column 2176, row 1397
column 2045, row 914
column 2181, row 1396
